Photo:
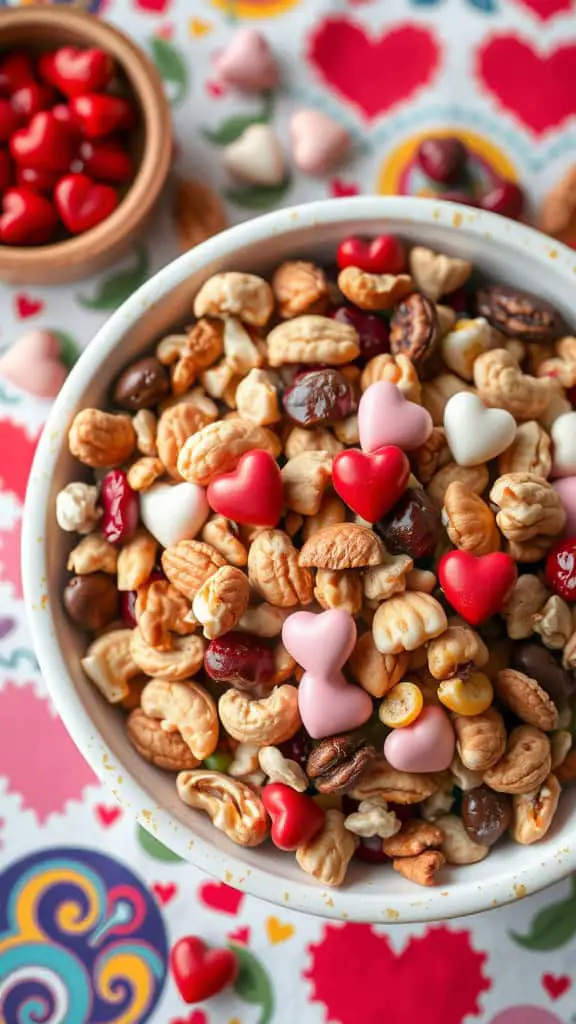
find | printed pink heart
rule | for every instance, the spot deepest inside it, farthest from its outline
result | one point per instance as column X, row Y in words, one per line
column 328, row 707
column 541, row 88
column 164, row 892
column 25, row 306
column 222, row 897
column 386, row 416
column 556, row 985
column 40, row 349
column 425, row 746
column 320, row 643
column 107, row 814
column 374, row 75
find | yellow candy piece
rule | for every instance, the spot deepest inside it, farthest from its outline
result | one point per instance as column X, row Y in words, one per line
column 469, row 696
column 401, row 705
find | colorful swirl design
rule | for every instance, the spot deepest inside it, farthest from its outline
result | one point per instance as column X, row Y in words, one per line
column 81, row 942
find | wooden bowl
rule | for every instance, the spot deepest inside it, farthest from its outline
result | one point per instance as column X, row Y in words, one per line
column 48, row 28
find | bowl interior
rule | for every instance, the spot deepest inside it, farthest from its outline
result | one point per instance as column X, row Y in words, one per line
column 502, row 251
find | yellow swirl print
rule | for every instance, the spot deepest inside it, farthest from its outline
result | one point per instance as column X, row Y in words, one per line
column 126, row 964
column 70, row 916
column 255, row 8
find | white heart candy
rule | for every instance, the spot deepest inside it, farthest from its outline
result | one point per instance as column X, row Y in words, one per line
column 563, row 434
column 174, row 512
column 256, row 156
column 474, row 433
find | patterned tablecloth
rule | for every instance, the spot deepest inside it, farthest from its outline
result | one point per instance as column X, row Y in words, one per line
column 90, row 904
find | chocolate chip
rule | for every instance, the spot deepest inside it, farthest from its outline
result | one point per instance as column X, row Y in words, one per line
column 540, row 664
column 414, row 328
column 519, row 314
column 337, row 763
column 485, row 815
column 413, row 526
column 141, row 385
column 91, row 601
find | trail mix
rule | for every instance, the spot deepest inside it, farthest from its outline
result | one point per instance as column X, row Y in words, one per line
column 327, row 559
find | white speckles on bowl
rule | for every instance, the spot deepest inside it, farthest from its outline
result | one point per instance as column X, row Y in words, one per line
column 505, row 251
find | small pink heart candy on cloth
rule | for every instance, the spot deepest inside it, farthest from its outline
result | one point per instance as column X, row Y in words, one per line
column 33, row 364
column 328, row 707
column 318, row 142
column 386, row 416
column 320, row 643
column 566, row 490
column 425, row 746
column 247, row 63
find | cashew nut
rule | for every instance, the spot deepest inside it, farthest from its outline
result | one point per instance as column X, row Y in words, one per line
column 266, row 722
column 185, row 708
column 232, row 806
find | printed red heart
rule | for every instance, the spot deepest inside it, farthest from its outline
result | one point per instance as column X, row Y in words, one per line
column 374, row 74
column 476, row 588
column 382, row 255
column 200, row 972
column 538, row 88
column 164, row 892
column 75, row 71
column 295, row 816
column 10, row 120
column 241, row 936
column 15, row 70
column 156, row 6
column 25, row 306
column 371, row 484
column 196, row 1017
column 31, row 98
column 106, row 160
column 28, row 218
column 556, row 985
column 546, row 9
column 99, row 115
column 252, row 493
column 219, row 896
column 46, row 143
column 82, row 203
column 107, row 814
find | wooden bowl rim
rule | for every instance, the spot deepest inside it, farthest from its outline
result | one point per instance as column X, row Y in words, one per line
column 148, row 90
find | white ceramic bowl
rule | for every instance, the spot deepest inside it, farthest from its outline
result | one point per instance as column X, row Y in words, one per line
column 505, row 251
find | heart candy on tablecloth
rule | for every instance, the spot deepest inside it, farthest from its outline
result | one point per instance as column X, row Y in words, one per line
column 33, row 364
column 247, row 63
column 174, row 512
column 387, row 417
column 200, row 972
column 256, row 156
column 318, row 142
column 476, row 434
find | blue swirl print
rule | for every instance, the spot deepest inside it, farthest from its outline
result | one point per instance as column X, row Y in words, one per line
column 81, row 941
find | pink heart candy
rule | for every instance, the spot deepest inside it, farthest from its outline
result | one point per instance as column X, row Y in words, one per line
column 566, row 489
column 328, row 707
column 386, row 416
column 318, row 142
column 425, row 746
column 32, row 364
column 247, row 63
column 320, row 643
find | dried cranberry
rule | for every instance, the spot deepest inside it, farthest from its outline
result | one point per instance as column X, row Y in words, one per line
column 506, row 198
column 571, row 396
column 369, row 850
column 317, row 397
column 442, row 159
column 298, row 748
column 127, row 605
column 561, row 569
column 241, row 659
column 373, row 331
column 120, row 504
column 413, row 526
column 460, row 301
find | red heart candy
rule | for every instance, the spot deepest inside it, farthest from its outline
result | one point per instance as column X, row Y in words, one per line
column 476, row 588
column 10, row 120
column 35, row 179
column 106, row 160
column 45, row 143
column 252, row 493
column 31, row 98
column 28, row 218
column 5, row 170
column 200, row 972
column 83, row 203
column 15, row 70
column 371, row 483
column 383, row 255
column 100, row 115
column 75, row 71
column 295, row 816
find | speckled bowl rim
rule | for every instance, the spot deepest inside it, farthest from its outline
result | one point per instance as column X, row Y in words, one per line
column 419, row 905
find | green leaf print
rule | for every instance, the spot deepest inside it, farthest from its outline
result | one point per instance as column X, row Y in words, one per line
column 154, row 848
column 114, row 290
column 172, row 69
column 69, row 347
column 258, row 197
column 551, row 927
column 233, row 127
column 253, row 983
